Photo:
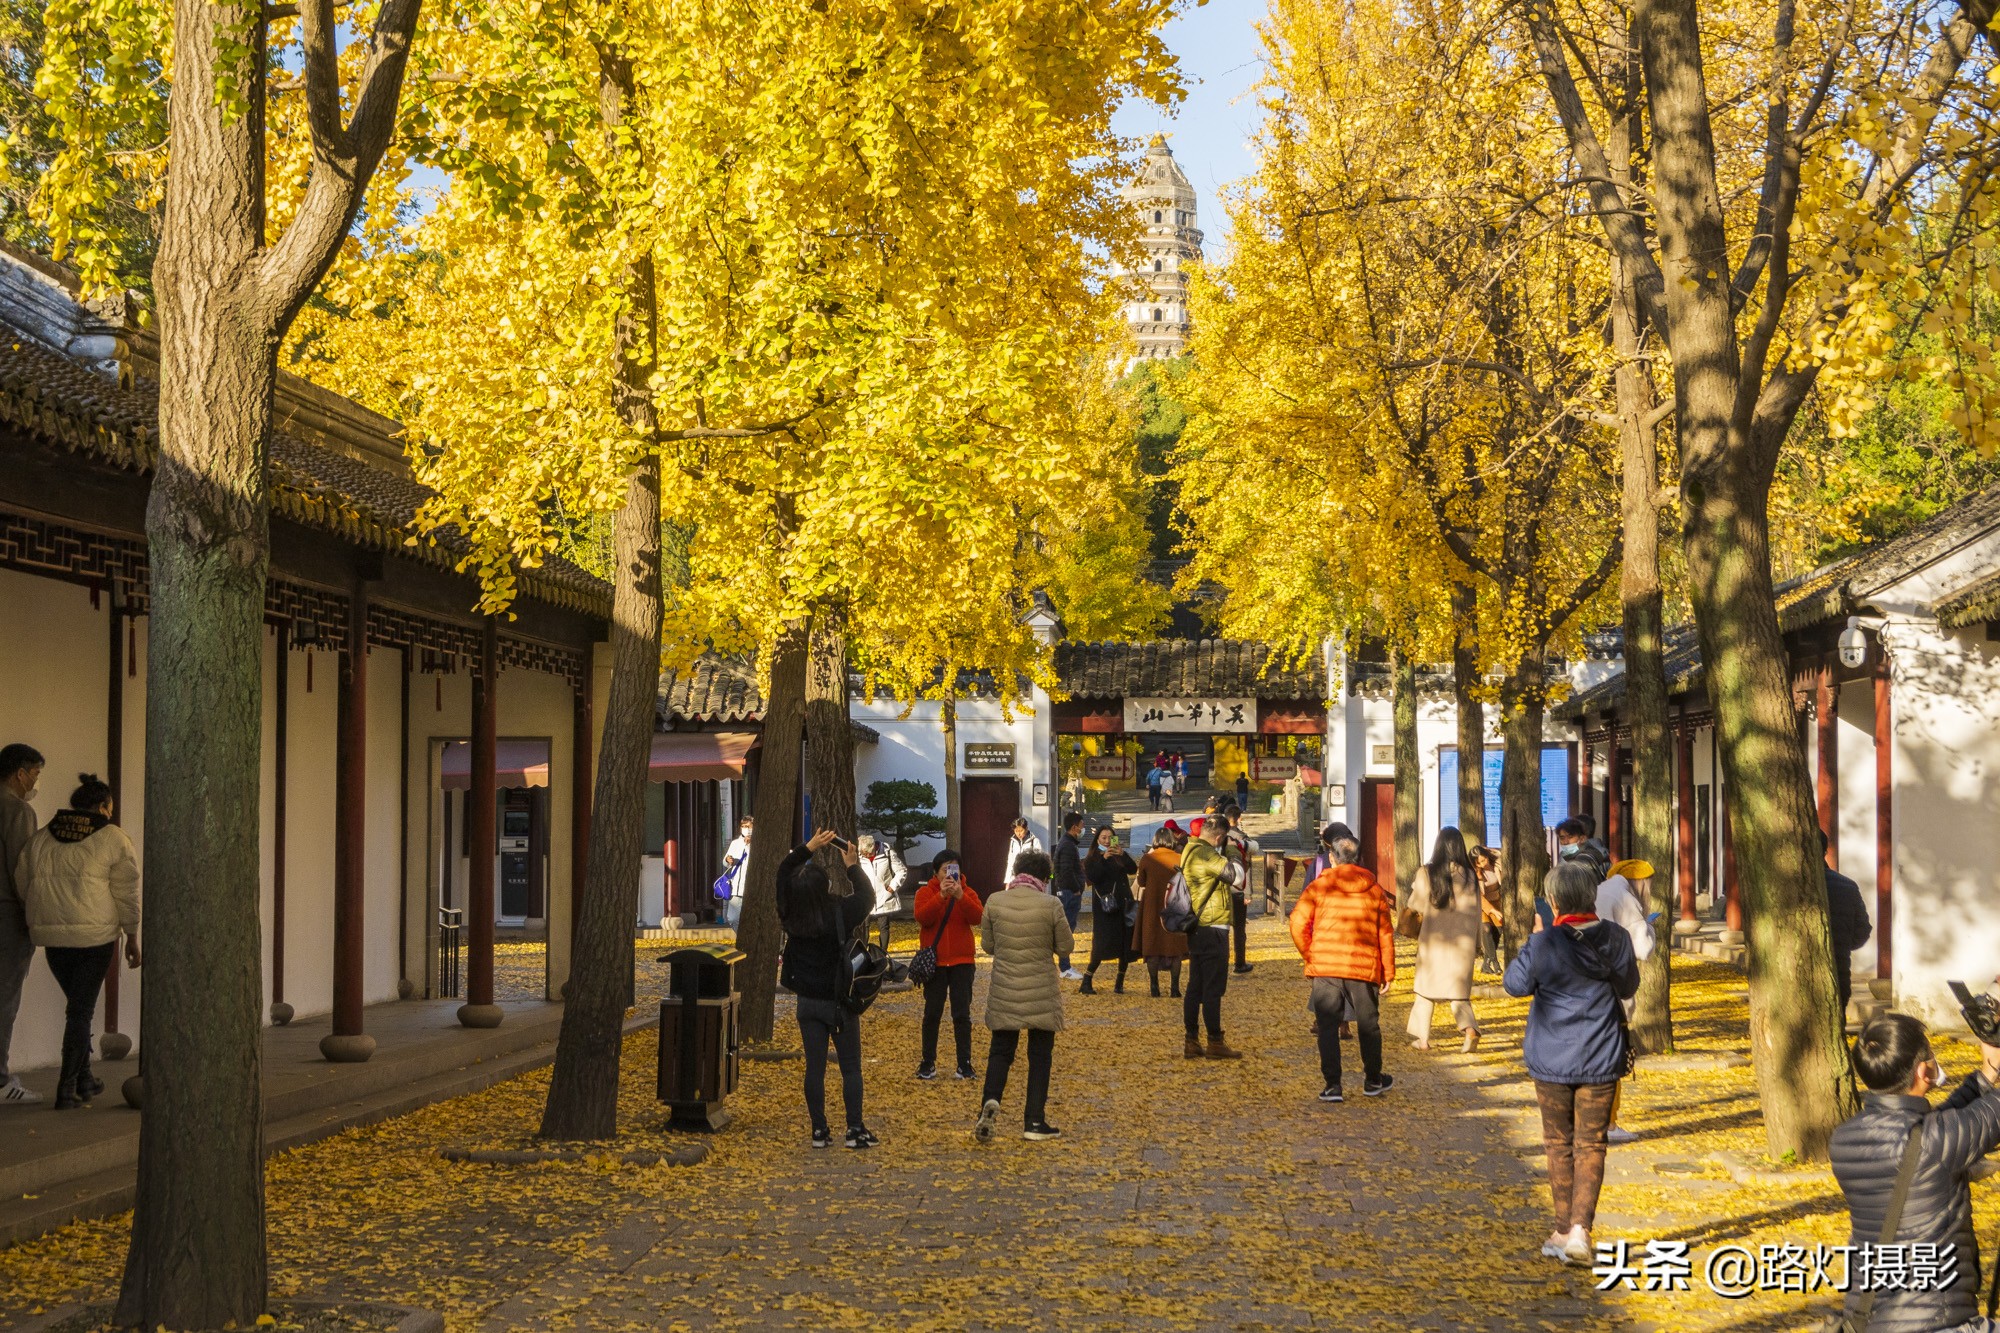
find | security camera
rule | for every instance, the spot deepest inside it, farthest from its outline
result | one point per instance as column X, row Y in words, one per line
column 1853, row 647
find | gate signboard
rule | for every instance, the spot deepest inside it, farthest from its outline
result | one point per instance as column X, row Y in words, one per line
column 1273, row 768
column 1211, row 716
column 1108, row 767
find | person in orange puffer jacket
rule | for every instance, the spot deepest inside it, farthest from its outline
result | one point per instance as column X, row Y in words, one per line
column 947, row 912
column 1345, row 928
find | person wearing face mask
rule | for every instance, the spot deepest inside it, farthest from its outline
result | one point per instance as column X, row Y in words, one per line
column 1899, row 1134
column 20, row 770
column 1574, row 843
column 1109, row 869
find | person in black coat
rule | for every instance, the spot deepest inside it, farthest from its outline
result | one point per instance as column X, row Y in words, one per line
column 821, row 917
column 1068, row 883
column 1109, row 869
column 1847, row 921
column 1894, row 1059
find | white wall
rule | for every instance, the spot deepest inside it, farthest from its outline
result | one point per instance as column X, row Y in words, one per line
column 913, row 747
column 1945, row 696
column 57, row 686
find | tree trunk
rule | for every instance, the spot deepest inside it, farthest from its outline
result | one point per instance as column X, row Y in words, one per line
column 1524, row 854
column 583, row 1090
column 1650, row 838
column 197, row 1255
column 1471, row 713
column 949, row 716
column 1409, row 792
column 758, row 934
column 829, row 733
column 1797, row 1033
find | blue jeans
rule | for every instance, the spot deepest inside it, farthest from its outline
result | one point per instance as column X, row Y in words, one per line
column 1072, row 903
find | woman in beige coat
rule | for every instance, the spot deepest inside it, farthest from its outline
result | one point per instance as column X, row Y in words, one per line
column 1445, row 894
column 1025, row 930
column 79, row 882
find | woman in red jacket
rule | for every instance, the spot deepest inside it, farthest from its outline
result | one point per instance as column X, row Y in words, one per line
column 947, row 912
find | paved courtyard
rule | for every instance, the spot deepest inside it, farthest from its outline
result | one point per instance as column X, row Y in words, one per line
column 1182, row 1196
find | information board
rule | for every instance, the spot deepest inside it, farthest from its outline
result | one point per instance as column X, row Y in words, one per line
column 1555, row 786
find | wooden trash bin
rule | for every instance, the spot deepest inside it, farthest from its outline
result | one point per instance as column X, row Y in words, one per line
column 698, row 1057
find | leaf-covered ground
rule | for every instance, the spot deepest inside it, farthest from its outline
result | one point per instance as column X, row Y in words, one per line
column 1182, row 1196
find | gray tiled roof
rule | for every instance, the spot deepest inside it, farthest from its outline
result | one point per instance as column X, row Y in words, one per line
column 714, row 689
column 1184, row 668
column 48, row 395
column 1835, row 590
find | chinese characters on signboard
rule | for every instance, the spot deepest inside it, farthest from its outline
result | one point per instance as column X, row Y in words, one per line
column 989, row 755
column 1273, row 768
column 1108, row 767
column 1202, row 715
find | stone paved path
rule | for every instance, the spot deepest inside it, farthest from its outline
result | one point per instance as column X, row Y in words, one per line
column 1182, row 1195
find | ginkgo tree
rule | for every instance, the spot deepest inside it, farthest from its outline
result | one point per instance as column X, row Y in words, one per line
column 240, row 250
column 1796, row 154
column 1409, row 337
column 830, row 276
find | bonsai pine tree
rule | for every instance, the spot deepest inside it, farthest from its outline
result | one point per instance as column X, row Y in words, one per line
column 902, row 810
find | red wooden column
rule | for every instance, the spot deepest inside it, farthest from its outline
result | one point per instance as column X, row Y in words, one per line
column 479, row 1011
column 1732, row 898
column 1826, row 709
column 1885, row 842
column 1586, row 793
column 114, row 1045
column 347, row 1043
column 1614, row 809
column 1684, row 812
column 582, row 778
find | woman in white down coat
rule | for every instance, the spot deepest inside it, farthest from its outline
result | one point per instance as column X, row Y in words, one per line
column 79, row 882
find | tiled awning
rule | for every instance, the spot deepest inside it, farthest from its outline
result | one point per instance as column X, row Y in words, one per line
column 700, row 756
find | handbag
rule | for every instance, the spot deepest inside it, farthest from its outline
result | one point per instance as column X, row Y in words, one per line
column 1857, row 1322
column 724, row 887
column 924, row 965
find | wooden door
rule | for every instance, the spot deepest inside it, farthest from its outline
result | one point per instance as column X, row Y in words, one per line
column 1378, row 829
column 987, row 807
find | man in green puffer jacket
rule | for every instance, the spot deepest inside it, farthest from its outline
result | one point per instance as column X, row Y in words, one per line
column 1210, row 877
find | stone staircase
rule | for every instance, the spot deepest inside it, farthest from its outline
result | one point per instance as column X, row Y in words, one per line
column 1714, row 942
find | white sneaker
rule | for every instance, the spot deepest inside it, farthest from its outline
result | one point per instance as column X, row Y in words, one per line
column 1576, row 1250
column 15, row 1093
column 1071, row 974
column 1617, row 1135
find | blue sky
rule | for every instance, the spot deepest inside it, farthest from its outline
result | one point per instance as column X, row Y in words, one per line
column 1221, row 61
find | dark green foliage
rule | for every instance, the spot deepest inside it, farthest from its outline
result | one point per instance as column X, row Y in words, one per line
column 902, row 810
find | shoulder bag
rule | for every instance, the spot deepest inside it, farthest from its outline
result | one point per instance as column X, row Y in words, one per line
column 1857, row 1322
column 924, row 965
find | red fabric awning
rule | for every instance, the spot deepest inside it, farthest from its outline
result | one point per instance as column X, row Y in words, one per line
column 519, row 764
column 700, row 756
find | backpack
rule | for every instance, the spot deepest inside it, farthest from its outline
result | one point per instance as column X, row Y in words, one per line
column 1177, row 912
column 863, row 969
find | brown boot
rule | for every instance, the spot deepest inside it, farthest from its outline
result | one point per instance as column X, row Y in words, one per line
column 1191, row 1048
column 1218, row 1049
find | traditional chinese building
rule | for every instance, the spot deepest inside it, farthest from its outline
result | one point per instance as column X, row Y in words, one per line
column 1903, row 735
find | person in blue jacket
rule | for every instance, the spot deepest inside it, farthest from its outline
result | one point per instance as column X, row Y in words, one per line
column 1578, row 971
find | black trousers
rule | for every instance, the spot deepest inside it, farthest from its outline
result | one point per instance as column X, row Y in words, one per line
column 1335, row 1000
column 1239, row 926
column 1843, row 982
column 1208, row 978
column 1000, row 1061
column 80, row 973
column 821, row 1022
column 952, row 983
